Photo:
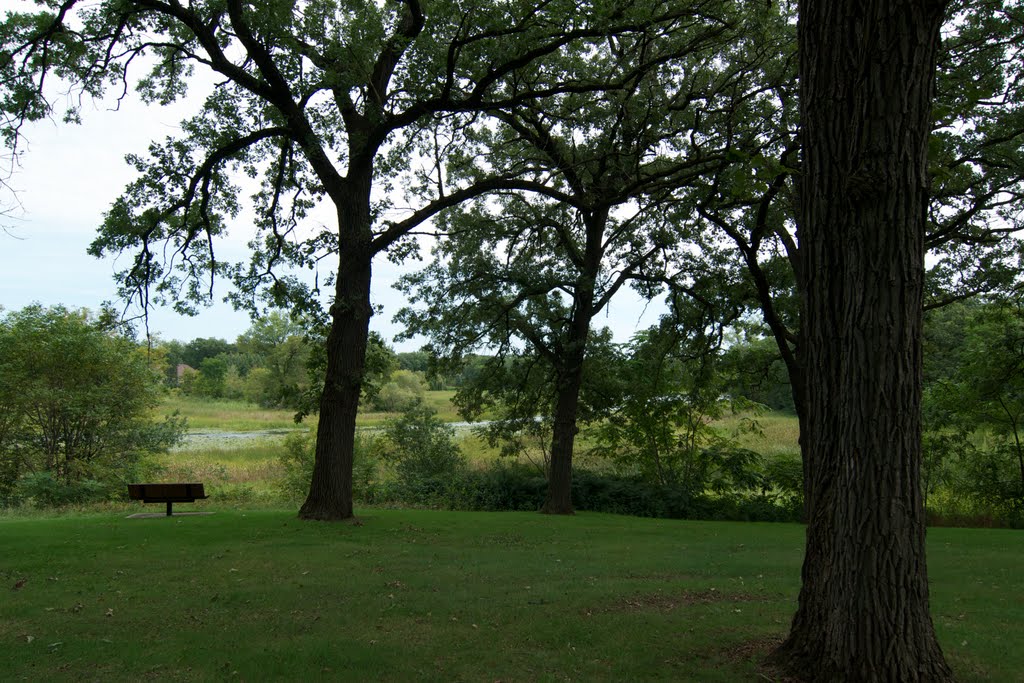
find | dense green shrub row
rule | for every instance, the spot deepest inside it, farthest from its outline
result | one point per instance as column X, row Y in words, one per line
column 502, row 486
column 415, row 461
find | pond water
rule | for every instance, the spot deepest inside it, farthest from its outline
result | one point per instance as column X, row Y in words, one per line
column 219, row 439
column 212, row 438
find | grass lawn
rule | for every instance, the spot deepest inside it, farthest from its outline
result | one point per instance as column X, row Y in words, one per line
column 442, row 596
column 227, row 415
column 238, row 416
column 440, row 401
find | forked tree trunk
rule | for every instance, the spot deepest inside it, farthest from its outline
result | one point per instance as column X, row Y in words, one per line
column 330, row 491
column 866, row 75
column 570, row 374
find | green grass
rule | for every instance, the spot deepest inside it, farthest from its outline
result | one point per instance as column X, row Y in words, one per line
column 239, row 416
column 438, row 596
column 441, row 401
column 255, row 464
column 774, row 433
column 226, row 415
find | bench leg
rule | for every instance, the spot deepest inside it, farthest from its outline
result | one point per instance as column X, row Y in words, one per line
column 169, row 508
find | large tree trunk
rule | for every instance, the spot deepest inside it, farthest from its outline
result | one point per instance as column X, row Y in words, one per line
column 570, row 382
column 330, row 490
column 563, row 440
column 866, row 76
column 570, row 372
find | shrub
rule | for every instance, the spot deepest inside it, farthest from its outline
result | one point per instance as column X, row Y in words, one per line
column 428, row 463
column 402, row 392
column 299, row 454
column 42, row 489
column 992, row 480
column 502, row 486
column 784, row 483
column 76, row 397
column 514, row 486
column 296, row 460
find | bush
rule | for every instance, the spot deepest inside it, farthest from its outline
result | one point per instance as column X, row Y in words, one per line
column 299, row 454
column 76, row 402
column 513, row 486
column 10, row 470
column 502, row 486
column 427, row 462
column 416, row 461
column 42, row 489
column 402, row 392
column 296, row 460
column 971, row 478
column 991, row 482
column 784, row 483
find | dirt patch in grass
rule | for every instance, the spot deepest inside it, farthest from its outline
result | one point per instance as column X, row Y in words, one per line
column 757, row 650
column 660, row 601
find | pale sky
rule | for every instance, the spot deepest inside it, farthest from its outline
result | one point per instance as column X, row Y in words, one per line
column 70, row 175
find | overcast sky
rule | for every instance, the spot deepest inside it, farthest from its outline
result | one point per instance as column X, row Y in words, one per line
column 68, row 177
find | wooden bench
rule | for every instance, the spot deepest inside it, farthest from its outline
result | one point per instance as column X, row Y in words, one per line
column 166, row 493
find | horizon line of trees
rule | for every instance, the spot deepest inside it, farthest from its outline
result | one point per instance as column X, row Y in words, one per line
column 648, row 415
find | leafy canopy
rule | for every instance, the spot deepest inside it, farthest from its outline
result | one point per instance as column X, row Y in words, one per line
column 75, row 398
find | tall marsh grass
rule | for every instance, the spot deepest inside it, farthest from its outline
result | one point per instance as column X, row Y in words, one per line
column 239, row 416
column 226, row 415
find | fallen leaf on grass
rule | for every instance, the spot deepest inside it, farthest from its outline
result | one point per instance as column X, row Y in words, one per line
column 19, row 584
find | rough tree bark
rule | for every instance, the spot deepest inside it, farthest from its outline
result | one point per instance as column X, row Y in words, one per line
column 330, row 491
column 563, row 437
column 570, row 375
column 866, row 73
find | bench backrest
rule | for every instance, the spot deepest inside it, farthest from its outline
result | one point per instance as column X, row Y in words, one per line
column 169, row 492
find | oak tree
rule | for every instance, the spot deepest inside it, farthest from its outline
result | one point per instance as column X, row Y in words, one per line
column 318, row 101
column 866, row 86
column 972, row 182
column 526, row 272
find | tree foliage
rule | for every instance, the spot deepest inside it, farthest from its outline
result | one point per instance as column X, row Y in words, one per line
column 75, row 400
column 976, row 169
column 313, row 101
column 527, row 271
column 662, row 427
column 974, row 406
